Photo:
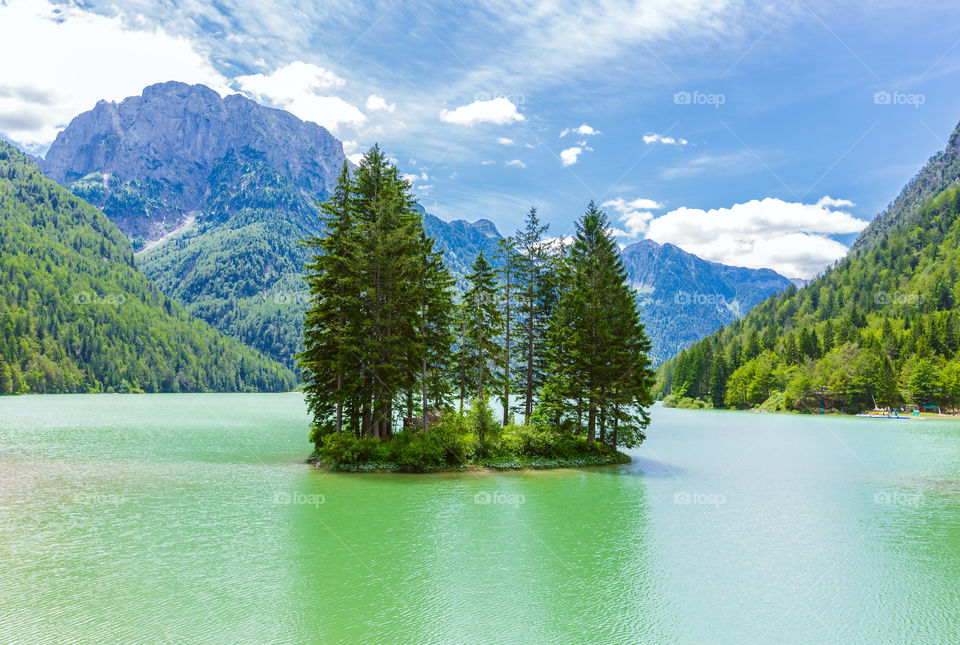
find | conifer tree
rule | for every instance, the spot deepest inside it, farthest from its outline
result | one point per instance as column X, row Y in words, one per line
column 506, row 251
column 484, row 327
column 604, row 367
column 533, row 310
column 379, row 318
column 436, row 328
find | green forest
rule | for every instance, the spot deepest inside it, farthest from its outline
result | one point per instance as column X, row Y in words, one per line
column 880, row 329
column 77, row 316
column 399, row 369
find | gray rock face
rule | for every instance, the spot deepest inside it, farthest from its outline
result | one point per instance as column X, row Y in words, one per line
column 171, row 138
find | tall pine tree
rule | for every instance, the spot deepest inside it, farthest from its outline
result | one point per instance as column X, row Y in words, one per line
column 603, row 369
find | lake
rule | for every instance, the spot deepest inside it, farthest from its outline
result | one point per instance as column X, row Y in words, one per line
column 192, row 518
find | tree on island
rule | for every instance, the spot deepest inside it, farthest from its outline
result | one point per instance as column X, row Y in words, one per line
column 379, row 317
column 599, row 360
column 533, row 295
column 485, row 357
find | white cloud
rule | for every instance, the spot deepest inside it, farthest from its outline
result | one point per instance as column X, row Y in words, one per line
column 487, row 162
column 504, row 141
column 789, row 237
column 295, row 88
column 500, row 110
column 827, row 201
column 413, row 177
column 517, row 163
column 377, row 103
column 59, row 61
column 350, row 146
column 569, row 156
column 355, row 158
column 635, row 214
column 659, row 138
column 584, row 130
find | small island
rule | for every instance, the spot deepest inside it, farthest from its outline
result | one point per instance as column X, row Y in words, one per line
column 400, row 362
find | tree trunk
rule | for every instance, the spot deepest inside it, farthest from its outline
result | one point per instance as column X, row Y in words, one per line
column 366, row 425
column 616, row 423
column 423, row 367
column 528, row 395
column 592, row 422
column 339, row 403
column 506, row 367
column 603, row 424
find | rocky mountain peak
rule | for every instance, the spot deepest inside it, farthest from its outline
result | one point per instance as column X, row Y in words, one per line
column 173, row 136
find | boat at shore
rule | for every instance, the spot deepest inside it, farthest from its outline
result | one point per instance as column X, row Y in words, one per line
column 878, row 413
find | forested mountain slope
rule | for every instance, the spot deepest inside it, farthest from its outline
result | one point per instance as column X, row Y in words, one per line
column 880, row 328
column 77, row 316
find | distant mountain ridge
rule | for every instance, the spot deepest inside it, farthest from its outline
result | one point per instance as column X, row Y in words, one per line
column 684, row 297
column 232, row 187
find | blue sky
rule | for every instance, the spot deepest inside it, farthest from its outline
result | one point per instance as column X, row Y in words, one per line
column 758, row 134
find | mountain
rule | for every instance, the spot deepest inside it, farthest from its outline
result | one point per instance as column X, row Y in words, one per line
column 880, row 328
column 684, row 298
column 461, row 242
column 151, row 161
column 217, row 192
column 77, row 316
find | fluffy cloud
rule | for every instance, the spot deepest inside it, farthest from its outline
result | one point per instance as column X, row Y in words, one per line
column 500, row 110
column 355, row 158
column 517, row 163
column 377, row 103
column 583, row 130
column 41, row 90
column 504, row 141
column 414, row 177
column 634, row 214
column 659, row 138
column 297, row 87
column 791, row 238
column 570, row 155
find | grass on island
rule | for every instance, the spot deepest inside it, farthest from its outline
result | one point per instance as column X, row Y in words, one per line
column 453, row 443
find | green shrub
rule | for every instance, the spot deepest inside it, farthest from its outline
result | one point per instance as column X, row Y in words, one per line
column 346, row 448
column 481, row 420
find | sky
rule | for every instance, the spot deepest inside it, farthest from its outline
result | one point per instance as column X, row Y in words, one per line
column 759, row 134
